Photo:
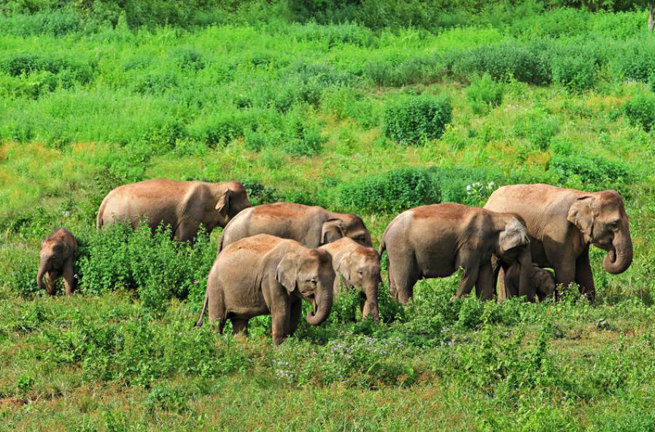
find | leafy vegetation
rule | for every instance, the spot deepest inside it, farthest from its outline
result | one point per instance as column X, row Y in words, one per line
column 315, row 103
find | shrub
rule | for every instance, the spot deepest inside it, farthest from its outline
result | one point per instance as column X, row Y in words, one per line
column 525, row 63
column 413, row 120
column 156, row 266
column 538, row 127
column 640, row 110
column 575, row 72
column 155, row 82
column 303, row 136
column 593, row 171
column 394, row 191
column 485, row 93
column 393, row 73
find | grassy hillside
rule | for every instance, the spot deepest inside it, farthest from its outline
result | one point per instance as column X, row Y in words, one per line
column 331, row 115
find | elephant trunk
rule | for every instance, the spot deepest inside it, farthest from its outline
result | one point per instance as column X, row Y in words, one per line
column 371, row 304
column 619, row 256
column 40, row 274
column 322, row 307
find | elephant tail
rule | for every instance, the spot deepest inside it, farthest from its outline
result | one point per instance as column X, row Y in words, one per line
column 383, row 247
column 101, row 212
column 204, row 308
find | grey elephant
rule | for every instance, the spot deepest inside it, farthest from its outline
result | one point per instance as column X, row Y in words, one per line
column 263, row 275
column 359, row 266
column 541, row 279
column 183, row 205
column 562, row 223
column 57, row 256
column 435, row 240
column 312, row 226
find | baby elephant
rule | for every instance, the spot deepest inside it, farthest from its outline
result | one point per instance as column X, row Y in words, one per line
column 542, row 281
column 360, row 267
column 57, row 255
column 263, row 275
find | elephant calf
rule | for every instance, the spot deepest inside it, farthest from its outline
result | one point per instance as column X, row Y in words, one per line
column 184, row 205
column 263, row 275
column 57, row 255
column 310, row 225
column 359, row 266
column 541, row 279
column 435, row 240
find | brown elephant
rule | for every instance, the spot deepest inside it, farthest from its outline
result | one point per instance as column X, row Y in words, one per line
column 359, row 266
column 435, row 240
column 184, row 205
column 562, row 223
column 312, row 226
column 541, row 279
column 263, row 275
column 57, row 256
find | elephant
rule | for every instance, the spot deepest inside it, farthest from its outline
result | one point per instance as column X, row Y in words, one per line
column 184, row 205
column 359, row 266
column 312, row 226
column 264, row 274
column 57, row 256
column 435, row 240
column 562, row 223
column 541, row 279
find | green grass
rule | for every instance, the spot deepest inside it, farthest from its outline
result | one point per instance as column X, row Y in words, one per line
column 297, row 112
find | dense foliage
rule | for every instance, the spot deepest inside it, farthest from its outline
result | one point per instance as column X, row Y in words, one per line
column 96, row 94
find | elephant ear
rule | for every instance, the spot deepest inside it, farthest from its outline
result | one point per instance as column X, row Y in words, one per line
column 332, row 230
column 223, row 203
column 343, row 268
column 581, row 214
column 515, row 234
column 286, row 272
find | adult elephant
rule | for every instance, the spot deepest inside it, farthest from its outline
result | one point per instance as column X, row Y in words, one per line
column 184, row 205
column 435, row 240
column 312, row 226
column 562, row 223
column 264, row 275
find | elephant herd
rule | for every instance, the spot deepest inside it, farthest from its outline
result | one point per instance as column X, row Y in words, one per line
column 272, row 256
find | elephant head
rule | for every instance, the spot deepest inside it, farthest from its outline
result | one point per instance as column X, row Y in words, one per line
column 52, row 258
column 345, row 225
column 603, row 222
column 311, row 276
column 230, row 201
column 363, row 270
column 542, row 281
column 513, row 246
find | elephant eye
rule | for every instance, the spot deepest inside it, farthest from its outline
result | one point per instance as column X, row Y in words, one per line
column 613, row 225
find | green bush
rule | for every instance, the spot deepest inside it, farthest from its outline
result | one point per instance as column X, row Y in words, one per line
column 394, row 191
column 525, row 62
column 303, row 136
column 156, row 266
column 397, row 73
column 640, row 110
column 575, row 72
column 484, row 93
column 593, row 171
column 538, row 127
column 413, row 120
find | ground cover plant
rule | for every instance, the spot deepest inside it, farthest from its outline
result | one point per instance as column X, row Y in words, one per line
column 365, row 108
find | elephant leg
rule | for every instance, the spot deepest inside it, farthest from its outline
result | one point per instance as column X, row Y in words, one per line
column 50, row 278
column 216, row 309
column 294, row 318
column 403, row 275
column 502, row 287
column 471, row 267
column 186, row 231
column 69, row 277
column 239, row 327
column 280, row 317
column 484, row 285
column 584, row 277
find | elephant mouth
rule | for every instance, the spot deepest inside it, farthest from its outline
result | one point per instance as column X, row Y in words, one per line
column 314, row 306
column 611, row 252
